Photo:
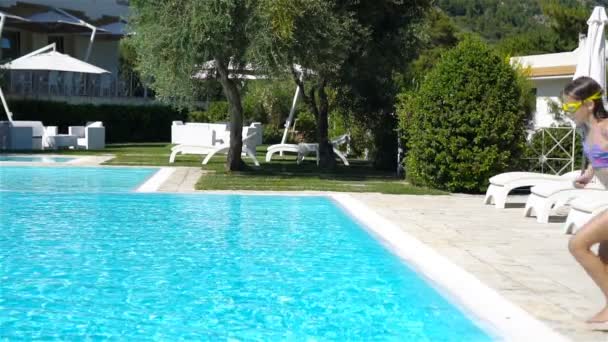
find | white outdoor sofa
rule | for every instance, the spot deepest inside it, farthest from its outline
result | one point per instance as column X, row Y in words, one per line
column 21, row 135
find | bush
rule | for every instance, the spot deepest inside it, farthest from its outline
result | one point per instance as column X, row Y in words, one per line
column 123, row 123
column 218, row 111
column 268, row 102
column 306, row 127
column 198, row 116
column 466, row 122
column 360, row 138
column 272, row 135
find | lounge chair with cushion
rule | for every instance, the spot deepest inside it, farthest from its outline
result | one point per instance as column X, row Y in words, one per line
column 304, row 149
column 212, row 144
column 584, row 209
column 544, row 198
column 501, row 185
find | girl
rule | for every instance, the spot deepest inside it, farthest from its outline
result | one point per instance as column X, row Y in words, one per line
column 583, row 102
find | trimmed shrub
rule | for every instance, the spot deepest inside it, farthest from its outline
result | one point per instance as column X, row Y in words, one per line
column 218, row 111
column 466, row 122
column 306, row 127
column 272, row 135
column 123, row 123
column 361, row 141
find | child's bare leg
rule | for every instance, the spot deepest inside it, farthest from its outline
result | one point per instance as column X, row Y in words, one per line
column 595, row 231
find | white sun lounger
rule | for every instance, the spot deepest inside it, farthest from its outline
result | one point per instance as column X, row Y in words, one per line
column 543, row 198
column 304, row 149
column 501, row 185
column 584, row 209
column 209, row 151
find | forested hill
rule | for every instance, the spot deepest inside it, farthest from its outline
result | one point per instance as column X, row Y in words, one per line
column 523, row 26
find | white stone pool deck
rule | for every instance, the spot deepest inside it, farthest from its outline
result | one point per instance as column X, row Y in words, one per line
column 526, row 262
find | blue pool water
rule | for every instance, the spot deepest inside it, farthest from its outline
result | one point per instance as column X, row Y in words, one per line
column 35, row 159
column 206, row 267
column 72, row 179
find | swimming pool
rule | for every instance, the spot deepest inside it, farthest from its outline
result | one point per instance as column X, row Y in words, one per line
column 35, row 159
column 72, row 179
column 206, row 267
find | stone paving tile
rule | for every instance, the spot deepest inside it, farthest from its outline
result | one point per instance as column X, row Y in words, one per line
column 525, row 261
column 183, row 179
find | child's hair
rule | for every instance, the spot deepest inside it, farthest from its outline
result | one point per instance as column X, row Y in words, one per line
column 584, row 87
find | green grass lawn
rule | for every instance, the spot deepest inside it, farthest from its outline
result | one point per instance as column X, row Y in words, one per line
column 281, row 174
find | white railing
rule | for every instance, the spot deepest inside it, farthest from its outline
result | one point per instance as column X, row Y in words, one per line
column 557, row 151
column 52, row 83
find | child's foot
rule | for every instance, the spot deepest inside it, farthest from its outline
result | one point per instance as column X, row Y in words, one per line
column 600, row 317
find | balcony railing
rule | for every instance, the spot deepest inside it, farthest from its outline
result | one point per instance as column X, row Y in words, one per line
column 66, row 84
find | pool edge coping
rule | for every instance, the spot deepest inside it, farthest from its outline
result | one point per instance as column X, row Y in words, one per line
column 154, row 182
column 504, row 318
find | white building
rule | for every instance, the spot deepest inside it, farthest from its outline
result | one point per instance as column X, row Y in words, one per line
column 549, row 74
column 69, row 24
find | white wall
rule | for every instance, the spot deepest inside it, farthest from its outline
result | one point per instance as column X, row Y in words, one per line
column 547, row 90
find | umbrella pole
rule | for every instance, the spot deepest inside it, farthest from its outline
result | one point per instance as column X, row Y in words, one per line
column 291, row 115
column 9, row 115
column 8, row 112
column 2, row 20
column 91, row 40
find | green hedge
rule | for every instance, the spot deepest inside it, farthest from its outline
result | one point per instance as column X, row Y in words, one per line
column 123, row 123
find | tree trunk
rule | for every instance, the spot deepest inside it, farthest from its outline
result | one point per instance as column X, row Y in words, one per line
column 234, row 162
column 327, row 159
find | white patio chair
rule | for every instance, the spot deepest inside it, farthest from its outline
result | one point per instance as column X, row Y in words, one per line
column 90, row 137
column 49, row 132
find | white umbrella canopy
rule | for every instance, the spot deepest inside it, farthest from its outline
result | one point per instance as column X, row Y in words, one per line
column 592, row 54
column 53, row 61
column 118, row 28
column 48, row 59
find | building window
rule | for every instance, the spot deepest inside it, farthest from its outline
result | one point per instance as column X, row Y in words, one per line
column 58, row 40
column 11, row 44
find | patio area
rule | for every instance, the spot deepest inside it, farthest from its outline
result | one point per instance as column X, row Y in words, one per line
column 528, row 263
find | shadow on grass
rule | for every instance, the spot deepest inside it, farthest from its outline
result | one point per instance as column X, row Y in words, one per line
column 285, row 168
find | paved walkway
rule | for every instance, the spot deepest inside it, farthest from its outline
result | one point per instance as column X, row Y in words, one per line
column 183, row 179
column 527, row 262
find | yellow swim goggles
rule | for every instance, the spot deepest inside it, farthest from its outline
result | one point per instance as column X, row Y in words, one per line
column 572, row 107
